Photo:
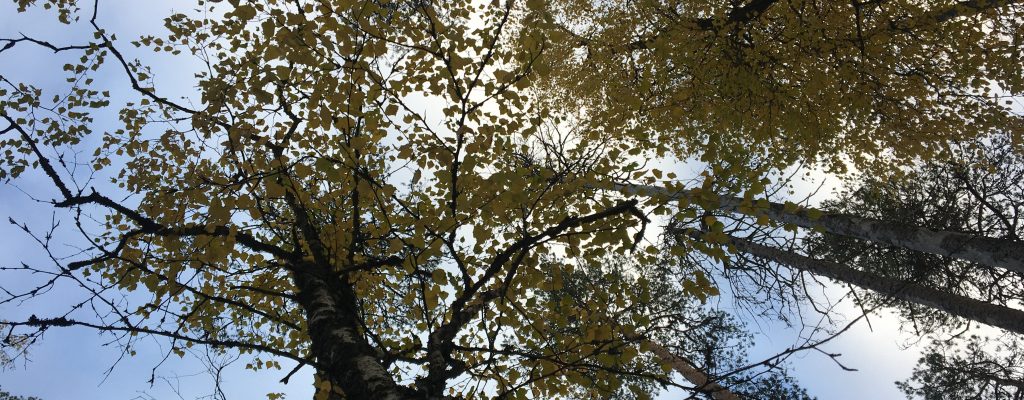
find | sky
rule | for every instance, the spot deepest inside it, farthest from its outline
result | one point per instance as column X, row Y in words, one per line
column 80, row 364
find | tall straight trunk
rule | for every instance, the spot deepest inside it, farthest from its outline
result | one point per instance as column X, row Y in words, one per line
column 961, row 306
column 985, row 250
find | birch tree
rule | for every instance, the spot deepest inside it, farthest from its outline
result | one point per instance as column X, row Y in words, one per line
column 384, row 191
column 975, row 192
column 354, row 190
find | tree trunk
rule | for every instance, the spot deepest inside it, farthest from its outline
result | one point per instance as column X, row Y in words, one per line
column 961, row 306
column 993, row 252
column 691, row 373
column 342, row 354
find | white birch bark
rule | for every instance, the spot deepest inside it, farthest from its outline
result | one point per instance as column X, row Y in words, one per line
column 985, row 250
column 987, row 313
column 691, row 373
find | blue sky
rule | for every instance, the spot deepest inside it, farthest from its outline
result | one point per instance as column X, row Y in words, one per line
column 74, row 363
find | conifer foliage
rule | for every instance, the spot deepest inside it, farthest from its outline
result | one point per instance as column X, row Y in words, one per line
column 451, row 199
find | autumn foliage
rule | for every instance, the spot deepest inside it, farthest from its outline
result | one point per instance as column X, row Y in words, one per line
column 430, row 199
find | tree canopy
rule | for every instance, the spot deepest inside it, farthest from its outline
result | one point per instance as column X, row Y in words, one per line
column 458, row 199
